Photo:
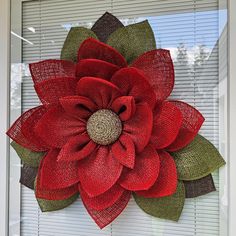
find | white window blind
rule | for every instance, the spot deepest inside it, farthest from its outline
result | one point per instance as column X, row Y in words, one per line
column 190, row 29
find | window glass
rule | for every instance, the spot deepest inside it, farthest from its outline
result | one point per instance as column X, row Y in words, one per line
column 195, row 32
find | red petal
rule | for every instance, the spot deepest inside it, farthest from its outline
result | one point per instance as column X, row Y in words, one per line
column 78, row 106
column 124, row 106
column 99, row 172
column 157, row 65
column 104, row 200
column 166, row 182
column 100, row 91
column 132, row 82
column 139, row 127
column 57, row 194
column 192, row 122
column 95, row 68
column 77, row 148
column 50, row 69
column 56, row 127
column 145, row 171
column 124, row 151
column 106, row 216
column 22, row 131
column 166, row 124
column 49, row 91
column 93, row 49
column 57, row 174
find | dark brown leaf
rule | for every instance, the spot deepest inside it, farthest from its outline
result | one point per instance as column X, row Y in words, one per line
column 28, row 175
column 199, row 187
column 106, row 25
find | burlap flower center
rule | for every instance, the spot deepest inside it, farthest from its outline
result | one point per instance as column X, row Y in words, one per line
column 104, row 127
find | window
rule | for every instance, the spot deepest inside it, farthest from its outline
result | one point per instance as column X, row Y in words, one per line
column 195, row 32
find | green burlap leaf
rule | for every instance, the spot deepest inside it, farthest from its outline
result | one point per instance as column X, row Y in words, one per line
column 54, row 205
column 27, row 156
column 169, row 208
column 133, row 40
column 198, row 159
column 73, row 41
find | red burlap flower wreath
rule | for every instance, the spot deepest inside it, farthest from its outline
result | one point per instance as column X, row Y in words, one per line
column 105, row 129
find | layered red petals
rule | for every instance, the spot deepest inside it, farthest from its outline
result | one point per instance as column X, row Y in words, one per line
column 139, row 127
column 99, row 172
column 57, row 174
column 124, row 151
column 145, row 172
column 49, row 91
column 106, row 216
column 100, row 91
column 166, row 182
column 92, row 48
column 132, row 82
column 158, row 68
column 56, row 194
column 95, row 68
column 77, row 148
column 22, row 131
column 78, row 106
column 192, row 122
column 151, row 128
column 56, row 127
column 124, row 106
column 166, row 124
column 51, row 69
column 104, row 200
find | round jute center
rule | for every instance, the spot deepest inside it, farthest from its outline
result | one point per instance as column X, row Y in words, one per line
column 104, row 127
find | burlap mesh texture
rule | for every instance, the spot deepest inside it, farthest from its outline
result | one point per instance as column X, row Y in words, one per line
column 106, row 216
column 166, row 181
column 106, row 25
column 145, row 172
column 166, row 207
column 73, row 41
column 56, row 194
column 51, row 69
column 94, row 49
column 192, row 122
column 158, row 67
column 56, row 174
column 49, row 91
column 197, row 160
column 133, row 40
column 167, row 121
column 28, row 175
column 199, row 187
column 28, row 157
column 104, row 200
column 22, row 129
column 104, row 127
column 53, row 205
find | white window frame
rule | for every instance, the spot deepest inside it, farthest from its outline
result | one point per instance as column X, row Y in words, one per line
column 232, row 117
column 4, row 111
column 5, row 107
